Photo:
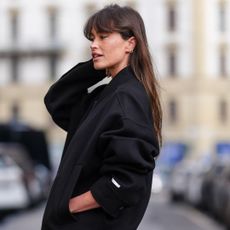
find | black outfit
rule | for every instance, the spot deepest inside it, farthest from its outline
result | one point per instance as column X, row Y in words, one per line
column 110, row 150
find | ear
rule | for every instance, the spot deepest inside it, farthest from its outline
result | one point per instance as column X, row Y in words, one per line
column 131, row 44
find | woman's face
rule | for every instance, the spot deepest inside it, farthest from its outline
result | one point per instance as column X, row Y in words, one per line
column 110, row 51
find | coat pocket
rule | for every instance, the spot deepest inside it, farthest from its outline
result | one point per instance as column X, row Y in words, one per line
column 63, row 204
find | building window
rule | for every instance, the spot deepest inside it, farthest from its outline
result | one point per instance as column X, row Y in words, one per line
column 223, row 62
column 223, row 111
column 14, row 24
column 14, row 68
column 14, row 59
column 172, row 111
column 172, row 61
column 52, row 56
column 222, row 16
column 172, row 17
column 53, row 66
column 90, row 8
column 52, row 22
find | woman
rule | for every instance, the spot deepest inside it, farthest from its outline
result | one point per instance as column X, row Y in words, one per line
column 113, row 133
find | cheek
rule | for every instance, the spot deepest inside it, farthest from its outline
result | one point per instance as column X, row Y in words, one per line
column 116, row 50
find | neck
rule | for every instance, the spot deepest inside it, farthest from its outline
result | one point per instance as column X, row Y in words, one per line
column 112, row 72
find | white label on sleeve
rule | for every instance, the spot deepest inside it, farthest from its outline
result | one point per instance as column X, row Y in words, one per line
column 115, row 183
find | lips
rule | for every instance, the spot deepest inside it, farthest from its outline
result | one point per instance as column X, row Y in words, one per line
column 96, row 55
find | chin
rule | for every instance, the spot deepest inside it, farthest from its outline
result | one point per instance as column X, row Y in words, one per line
column 98, row 66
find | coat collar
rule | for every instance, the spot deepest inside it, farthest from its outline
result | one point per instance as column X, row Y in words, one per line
column 121, row 78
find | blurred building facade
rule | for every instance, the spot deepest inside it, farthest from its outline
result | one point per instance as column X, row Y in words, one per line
column 190, row 45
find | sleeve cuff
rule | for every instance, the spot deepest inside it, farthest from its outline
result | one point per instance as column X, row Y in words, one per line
column 106, row 197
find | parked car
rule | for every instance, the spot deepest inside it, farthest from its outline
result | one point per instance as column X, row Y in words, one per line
column 221, row 194
column 19, row 185
column 35, row 144
column 220, row 191
column 179, row 180
column 33, row 140
column 200, row 167
column 208, row 186
column 226, row 215
column 157, row 183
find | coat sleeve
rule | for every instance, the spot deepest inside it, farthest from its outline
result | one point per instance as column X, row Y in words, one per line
column 71, row 90
column 130, row 149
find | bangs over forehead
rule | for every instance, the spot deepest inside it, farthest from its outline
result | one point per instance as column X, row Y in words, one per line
column 112, row 19
column 101, row 22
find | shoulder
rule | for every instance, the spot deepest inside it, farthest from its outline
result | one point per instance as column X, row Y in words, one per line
column 134, row 102
column 134, row 89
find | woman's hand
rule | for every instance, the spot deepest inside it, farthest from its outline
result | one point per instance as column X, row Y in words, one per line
column 82, row 203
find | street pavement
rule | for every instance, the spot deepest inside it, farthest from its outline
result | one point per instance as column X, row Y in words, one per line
column 160, row 215
column 164, row 215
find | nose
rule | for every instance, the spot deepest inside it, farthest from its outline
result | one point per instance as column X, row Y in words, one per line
column 94, row 44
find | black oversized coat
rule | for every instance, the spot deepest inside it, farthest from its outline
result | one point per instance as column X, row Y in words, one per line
column 110, row 150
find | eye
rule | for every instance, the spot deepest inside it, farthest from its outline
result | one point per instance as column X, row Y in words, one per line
column 91, row 38
column 103, row 36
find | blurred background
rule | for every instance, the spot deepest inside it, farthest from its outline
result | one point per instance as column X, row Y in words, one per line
column 190, row 45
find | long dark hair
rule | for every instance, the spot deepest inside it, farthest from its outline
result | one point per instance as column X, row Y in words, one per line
column 128, row 23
